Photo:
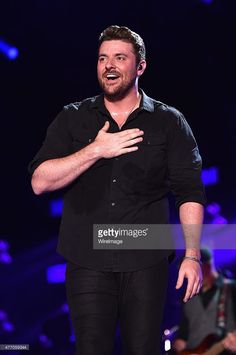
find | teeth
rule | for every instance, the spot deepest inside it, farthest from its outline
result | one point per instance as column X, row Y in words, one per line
column 111, row 76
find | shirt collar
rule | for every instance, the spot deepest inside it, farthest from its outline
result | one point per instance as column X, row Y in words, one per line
column 146, row 103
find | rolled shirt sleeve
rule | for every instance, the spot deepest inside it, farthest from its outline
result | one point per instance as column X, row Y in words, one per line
column 57, row 143
column 184, row 163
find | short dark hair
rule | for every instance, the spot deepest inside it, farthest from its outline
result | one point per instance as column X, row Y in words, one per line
column 124, row 34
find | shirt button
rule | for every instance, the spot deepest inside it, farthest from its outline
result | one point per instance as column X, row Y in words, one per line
column 114, row 180
column 113, row 203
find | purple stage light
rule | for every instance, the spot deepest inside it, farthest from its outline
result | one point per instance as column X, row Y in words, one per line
column 8, row 50
column 56, row 273
column 210, row 176
column 213, row 208
column 5, row 258
column 3, row 315
column 219, row 220
column 207, row 2
column 8, row 327
column 224, row 259
column 72, row 338
column 45, row 341
column 4, row 245
column 56, row 207
column 65, row 308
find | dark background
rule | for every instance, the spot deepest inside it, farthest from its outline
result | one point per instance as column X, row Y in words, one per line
column 191, row 65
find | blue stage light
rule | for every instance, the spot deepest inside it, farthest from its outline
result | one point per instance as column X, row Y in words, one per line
column 207, row 2
column 13, row 53
column 56, row 273
column 210, row 176
column 5, row 257
column 8, row 327
column 8, row 50
column 56, row 207
column 213, row 209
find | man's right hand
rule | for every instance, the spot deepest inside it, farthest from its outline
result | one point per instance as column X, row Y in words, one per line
column 54, row 174
column 109, row 145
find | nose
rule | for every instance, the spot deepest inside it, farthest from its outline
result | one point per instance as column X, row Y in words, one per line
column 110, row 64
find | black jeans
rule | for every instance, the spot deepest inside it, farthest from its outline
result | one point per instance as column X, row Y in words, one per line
column 98, row 299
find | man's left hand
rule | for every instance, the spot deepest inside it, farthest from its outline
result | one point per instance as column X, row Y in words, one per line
column 191, row 270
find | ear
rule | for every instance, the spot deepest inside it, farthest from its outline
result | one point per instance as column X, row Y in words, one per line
column 141, row 67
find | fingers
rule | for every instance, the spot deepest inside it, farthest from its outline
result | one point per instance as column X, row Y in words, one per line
column 131, row 142
column 127, row 150
column 105, row 127
column 180, row 280
column 131, row 133
column 114, row 144
column 199, row 287
column 188, row 294
column 128, row 133
column 193, row 288
column 123, row 136
column 128, row 146
column 193, row 274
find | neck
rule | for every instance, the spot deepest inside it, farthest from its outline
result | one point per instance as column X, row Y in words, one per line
column 123, row 104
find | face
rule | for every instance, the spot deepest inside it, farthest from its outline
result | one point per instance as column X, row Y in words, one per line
column 117, row 68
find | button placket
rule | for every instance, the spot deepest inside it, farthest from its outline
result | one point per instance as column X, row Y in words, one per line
column 113, row 183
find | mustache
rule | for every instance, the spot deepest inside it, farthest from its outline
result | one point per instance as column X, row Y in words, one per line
column 111, row 72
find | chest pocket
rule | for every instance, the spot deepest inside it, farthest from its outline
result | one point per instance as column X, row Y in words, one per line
column 153, row 150
column 153, row 141
column 80, row 142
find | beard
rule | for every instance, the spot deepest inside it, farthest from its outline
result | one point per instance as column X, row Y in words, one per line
column 117, row 91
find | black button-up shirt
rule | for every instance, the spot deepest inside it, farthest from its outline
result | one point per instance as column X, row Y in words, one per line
column 128, row 189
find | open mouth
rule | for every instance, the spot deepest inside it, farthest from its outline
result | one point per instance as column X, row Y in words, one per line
column 112, row 76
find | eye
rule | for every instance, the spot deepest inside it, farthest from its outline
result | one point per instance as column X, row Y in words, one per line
column 101, row 59
column 120, row 57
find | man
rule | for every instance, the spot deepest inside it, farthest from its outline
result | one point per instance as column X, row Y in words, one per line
column 211, row 314
column 117, row 155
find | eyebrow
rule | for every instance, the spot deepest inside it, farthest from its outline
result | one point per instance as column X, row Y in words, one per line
column 116, row 55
